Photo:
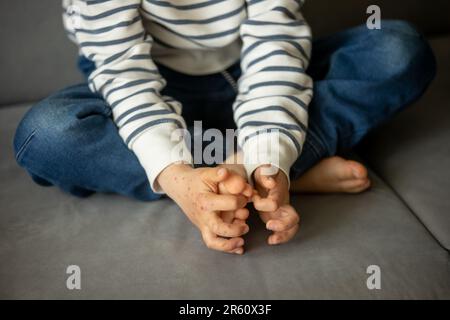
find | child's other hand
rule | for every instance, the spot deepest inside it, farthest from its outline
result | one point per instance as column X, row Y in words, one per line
column 196, row 192
column 272, row 203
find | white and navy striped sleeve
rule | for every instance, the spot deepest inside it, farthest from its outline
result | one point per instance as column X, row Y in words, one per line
column 274, row 89
column 111, row 33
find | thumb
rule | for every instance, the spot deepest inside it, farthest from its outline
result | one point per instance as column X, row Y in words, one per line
column 215, row 175
column 265, row 181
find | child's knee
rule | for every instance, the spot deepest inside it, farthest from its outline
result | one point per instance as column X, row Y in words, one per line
column 406, row 54
column 41, row 133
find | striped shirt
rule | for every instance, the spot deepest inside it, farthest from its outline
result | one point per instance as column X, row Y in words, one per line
column 270, row 37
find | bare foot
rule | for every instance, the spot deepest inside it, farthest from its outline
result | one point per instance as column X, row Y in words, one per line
column 332, row 175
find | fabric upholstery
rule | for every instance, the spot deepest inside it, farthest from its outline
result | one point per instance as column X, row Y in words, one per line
column 412, row 152
column 130, row 249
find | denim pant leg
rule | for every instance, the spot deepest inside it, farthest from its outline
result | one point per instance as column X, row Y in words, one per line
column 69, row 140
column 362, row 78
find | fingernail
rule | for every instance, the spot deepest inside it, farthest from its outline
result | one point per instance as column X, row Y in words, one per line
column 273, row 240
column 240, row 243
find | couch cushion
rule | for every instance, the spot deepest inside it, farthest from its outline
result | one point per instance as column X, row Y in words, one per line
column 412, row 153
column 36, row 57
column 130, row 249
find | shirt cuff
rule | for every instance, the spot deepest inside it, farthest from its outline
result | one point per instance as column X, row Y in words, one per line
column 159, row 147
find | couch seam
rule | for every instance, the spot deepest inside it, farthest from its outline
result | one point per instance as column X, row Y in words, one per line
column 407, row 206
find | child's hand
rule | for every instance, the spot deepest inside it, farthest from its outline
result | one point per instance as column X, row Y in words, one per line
column 196, row 192
column 272, row 202
column 235, row 184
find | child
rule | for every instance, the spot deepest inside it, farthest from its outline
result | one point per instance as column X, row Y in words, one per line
column 249, row 63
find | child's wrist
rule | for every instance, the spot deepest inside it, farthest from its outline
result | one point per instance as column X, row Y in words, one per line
column 166, row 177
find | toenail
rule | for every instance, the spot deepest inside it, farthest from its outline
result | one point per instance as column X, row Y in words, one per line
column 355, row 172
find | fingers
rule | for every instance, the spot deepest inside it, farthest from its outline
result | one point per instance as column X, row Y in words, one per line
column 265, row 181
column 216, row 225
column 227, row 216
column 230, row 216
column 215, row 175
column 284, row 223
column 242, row 214
column 283, row 219
column 282, row 237
column 220, row 202
column 236, row 184
column 248, row 191
column 233, row 245
column 269, row 202
column 264, row 204
column 238, row 251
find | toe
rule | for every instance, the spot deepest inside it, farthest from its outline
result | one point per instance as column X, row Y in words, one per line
column 355, row 185
column 358, row 171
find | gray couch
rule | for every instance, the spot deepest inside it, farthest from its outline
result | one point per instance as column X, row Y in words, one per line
column 130, row 249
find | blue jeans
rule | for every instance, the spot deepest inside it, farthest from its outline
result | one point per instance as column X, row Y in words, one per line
column 362, row 78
